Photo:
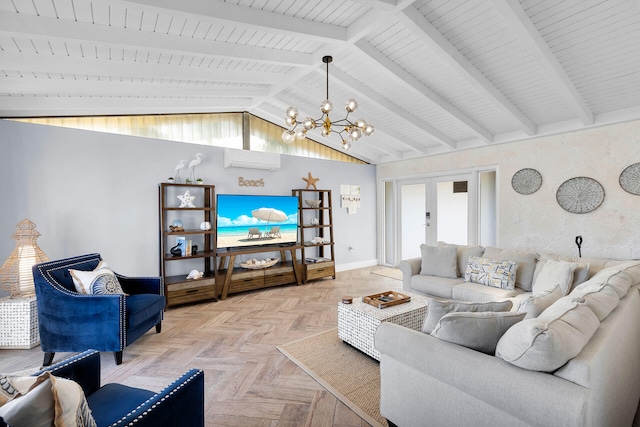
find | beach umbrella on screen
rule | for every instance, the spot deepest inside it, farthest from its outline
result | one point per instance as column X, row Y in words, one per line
column 269, row 215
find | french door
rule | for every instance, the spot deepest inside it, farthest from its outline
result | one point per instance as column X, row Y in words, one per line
column 435, row 209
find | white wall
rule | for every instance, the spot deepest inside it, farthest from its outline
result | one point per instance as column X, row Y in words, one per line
column 98, row 192
column 537, row 221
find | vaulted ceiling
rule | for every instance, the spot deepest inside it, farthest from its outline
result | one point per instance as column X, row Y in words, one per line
column 431, row 76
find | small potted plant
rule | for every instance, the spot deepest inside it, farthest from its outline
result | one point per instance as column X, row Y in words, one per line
column 187, row 181
column 199, row 181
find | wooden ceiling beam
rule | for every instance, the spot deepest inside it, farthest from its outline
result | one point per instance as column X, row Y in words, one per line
column 518, row 20
column 428, row 34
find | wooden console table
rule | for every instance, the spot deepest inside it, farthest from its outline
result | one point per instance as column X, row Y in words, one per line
column 243, row 279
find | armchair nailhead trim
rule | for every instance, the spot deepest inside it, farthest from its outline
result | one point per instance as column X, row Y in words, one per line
column 174, row 386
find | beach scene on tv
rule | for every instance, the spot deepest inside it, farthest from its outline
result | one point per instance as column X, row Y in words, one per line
column 247, row 220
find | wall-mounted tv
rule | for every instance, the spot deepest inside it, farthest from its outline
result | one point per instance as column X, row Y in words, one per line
column 256, row 220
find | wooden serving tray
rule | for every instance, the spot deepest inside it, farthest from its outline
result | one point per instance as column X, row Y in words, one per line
column 386, row 299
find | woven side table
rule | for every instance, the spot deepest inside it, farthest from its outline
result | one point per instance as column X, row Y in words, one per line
column 358, row 322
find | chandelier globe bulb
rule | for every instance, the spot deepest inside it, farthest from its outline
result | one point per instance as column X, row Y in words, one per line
column 346, row 145
column 288, row 136
column 355, row 134
column 368, row 129
column 292, row 112
column 290, row 121
column 326, row 106
column 301, row 134
column 361, row 123
column 308, row 123
column 351, row 105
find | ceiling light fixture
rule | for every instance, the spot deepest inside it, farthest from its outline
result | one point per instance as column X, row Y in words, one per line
column 342, row 127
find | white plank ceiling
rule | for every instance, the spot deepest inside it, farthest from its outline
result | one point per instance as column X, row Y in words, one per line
column 431, row 76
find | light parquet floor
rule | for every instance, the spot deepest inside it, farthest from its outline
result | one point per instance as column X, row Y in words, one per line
column 248, row 382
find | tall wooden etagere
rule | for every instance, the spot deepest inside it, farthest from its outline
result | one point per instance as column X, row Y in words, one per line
column 174, row 269
column 315, row 227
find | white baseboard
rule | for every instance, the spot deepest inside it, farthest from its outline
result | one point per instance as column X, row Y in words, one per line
column 354, row 265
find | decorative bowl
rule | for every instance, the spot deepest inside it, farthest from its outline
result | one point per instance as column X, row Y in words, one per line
column 255, row 264
column 313, row 203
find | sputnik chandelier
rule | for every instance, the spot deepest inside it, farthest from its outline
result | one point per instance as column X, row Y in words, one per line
column 342, row 127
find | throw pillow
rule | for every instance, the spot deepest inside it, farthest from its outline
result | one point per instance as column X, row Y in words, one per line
column 550, row 340
column 555, row 273
column 537, row 303
column 477, row 331
column 580, row 275
column 464, row 252
column 47, row 400
column 100, row 281
column 436, row 309
column 489, row 272
column 526, row 264
column 439, row 261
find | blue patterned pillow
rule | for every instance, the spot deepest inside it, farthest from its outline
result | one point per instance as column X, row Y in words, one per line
column 101, row 281
column 491, row 272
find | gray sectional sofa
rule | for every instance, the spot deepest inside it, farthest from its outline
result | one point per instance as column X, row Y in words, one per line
column 576, row 362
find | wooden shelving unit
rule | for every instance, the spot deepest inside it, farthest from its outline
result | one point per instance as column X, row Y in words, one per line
column 177, row 288
column 232, row 280
column 317, row 258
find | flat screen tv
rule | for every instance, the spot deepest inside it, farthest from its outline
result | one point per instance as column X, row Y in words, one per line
column 256, row 220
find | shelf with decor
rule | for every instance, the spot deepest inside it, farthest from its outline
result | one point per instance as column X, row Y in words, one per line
column 315, row 227
column 185, row 222
column 239, row 279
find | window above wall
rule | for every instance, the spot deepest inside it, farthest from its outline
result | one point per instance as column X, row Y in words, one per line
column 214, row 129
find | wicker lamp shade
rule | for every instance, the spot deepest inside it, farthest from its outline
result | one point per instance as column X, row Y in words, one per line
column 16, row 276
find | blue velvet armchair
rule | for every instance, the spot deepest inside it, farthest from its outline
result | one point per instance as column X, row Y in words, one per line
column 180, row 404
column 73, row 322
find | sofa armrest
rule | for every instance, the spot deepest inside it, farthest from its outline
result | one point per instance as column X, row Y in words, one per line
column 179, row 404
column 422, row 376
column 83, row 368
column 141, row 285
column 409, row 267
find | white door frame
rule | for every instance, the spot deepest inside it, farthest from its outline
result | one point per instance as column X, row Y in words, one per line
column 469, row 175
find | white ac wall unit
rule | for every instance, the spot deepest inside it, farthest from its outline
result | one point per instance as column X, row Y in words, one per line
column 251, row 159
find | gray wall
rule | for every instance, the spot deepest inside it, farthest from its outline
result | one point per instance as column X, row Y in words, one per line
column 98, row 192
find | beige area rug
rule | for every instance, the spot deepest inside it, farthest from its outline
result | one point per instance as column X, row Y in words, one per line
column 348, row 374
column 393, row 273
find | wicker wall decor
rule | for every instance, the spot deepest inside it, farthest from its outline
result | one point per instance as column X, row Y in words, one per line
column 580, row 195
column 16, row 276
column 526, row 181
column 630, row 179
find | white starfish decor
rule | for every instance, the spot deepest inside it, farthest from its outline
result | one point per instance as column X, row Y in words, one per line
column 187, row 200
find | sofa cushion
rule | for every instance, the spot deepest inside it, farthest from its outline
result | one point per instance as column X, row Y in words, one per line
column 436, row 309
column 469, row 291
column 439, row 261
column 100, row 281
column 479, row 331
column 620, row 277
column 547, row 342
column 441, row 287
column 580, row 275
column 526, row 263
column 535, row 304
column 490, row 272
column 555, row 273
column 464, row 252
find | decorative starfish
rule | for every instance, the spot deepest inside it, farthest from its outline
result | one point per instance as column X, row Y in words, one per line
column 187, row 200
column 311, row 181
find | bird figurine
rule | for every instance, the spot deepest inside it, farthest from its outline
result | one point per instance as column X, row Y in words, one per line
column 192, row 165
column 179, row 167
